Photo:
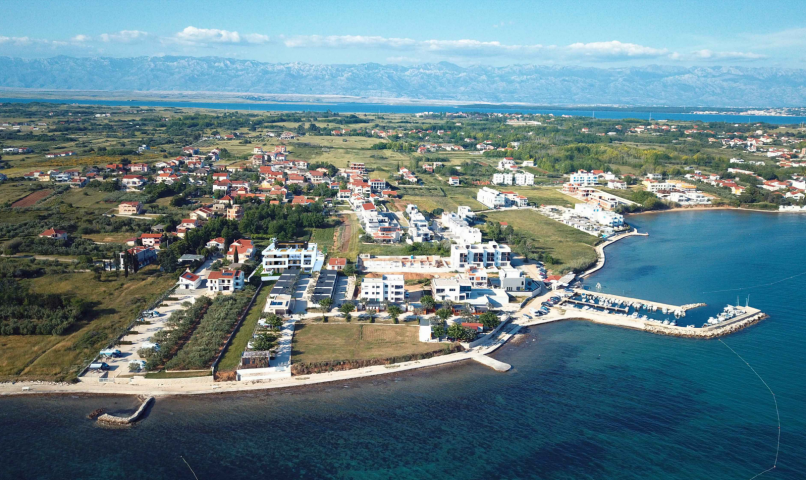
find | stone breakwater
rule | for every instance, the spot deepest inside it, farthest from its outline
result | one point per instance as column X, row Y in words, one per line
column 115, row 420
column 713, row 331
column 690, row 306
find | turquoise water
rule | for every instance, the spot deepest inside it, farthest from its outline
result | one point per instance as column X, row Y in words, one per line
column 583, row 400
column 384, row 108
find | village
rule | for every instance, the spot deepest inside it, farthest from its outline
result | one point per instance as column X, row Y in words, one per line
column 270, row 244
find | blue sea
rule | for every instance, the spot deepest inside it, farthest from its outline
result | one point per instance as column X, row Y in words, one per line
column 583, row 401
column 384, row 108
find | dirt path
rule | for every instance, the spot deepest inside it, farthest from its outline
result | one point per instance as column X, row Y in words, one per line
column 343, row 234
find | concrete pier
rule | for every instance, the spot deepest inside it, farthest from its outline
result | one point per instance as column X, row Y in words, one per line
column 115, row 420
column 629, row 300
column 496, row 365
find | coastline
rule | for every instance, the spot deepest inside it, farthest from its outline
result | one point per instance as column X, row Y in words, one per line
column 206, row 385
column 704, row 209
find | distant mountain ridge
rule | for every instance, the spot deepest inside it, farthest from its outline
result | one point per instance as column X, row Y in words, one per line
column 537, row 84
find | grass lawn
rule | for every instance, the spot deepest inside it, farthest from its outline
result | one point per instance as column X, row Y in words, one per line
column 232, row 357
column 109, row 237
column 572, row 248
column 60, row 357
column 325, row 342
column 88, row 198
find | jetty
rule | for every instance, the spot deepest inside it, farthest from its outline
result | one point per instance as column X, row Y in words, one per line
column 115, row 420
column 627, row 300
column 496, row 365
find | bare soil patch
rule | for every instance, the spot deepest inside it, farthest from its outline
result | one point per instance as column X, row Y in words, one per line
column 31, row 199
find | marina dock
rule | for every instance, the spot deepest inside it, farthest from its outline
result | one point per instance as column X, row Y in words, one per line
column 613, row 312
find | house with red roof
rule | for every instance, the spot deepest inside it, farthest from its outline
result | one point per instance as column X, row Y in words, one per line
column 225, row 280
column 129, row 208
column 54, row 234
column 244, row 248
column 189, row 281
column 336, row 264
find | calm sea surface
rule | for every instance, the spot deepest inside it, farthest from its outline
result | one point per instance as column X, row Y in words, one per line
column 583, row 400
column 383, row 108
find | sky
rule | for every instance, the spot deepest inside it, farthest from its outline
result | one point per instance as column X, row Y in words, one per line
column 497, row 33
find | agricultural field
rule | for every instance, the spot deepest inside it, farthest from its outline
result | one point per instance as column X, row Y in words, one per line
column 116, row 302
column 325, row 342
column 571, row 248
column 12, row 192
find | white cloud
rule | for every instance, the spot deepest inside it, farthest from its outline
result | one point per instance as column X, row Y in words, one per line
column 346, row 41
column 20, row 41
column 459, row 47
column 194, row 36
column 210, row 36
column 615, row 49
column 256, row 38
column 80, row 39
column 124, row 36
column 706, row 54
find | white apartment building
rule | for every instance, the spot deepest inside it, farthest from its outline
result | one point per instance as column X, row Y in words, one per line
column 459, row 228
column 387, row 288
column 279, row 256
column 491, row 198
column 502, row 179
column 524, row 178
column 596, row 214
column 584, row 178
column 486, row 255
column 418, row 228
column 506, row 164
column 453, row 289
column 655, row 187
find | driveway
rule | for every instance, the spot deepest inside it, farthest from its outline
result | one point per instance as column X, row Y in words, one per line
column 340, row 294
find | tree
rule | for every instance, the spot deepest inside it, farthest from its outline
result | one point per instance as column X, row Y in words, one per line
column 458, row 332
column 235, row 255
column 438, row 330
column 428, row 302
column 346, row 308
column 444, row 313
column 394, row 312
column 349, row 269
column 489, row 320
column 274, row 322
column 264, row 342
column 325, row 304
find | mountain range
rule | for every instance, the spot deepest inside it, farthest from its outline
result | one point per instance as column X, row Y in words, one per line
column 535, row 84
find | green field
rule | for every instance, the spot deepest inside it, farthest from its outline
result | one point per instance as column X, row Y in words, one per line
column 325, row 342
column 116, row 303
column 571, row 248
column 11, row 192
